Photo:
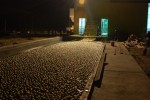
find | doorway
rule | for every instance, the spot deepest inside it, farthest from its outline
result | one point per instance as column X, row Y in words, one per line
column 104, row 27
column 82, row 24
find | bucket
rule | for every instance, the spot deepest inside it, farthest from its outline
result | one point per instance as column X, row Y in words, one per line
column 112, row 43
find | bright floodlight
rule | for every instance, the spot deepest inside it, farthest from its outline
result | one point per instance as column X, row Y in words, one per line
column 81, row 2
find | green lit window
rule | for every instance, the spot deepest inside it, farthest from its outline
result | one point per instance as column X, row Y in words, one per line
column 104, row 27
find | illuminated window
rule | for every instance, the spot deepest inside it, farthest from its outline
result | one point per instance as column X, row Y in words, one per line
column 81, row 2
column 148, row 18
column 82, row 24
column 104, row 27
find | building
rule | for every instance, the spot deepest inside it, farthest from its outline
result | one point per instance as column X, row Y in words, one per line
column 110, row 17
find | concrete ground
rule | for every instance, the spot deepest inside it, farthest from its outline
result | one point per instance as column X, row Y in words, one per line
column 123, row 78
column 143, row 61
column 11, row 50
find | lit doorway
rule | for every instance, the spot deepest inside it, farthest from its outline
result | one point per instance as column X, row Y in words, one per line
column 82, row 24
column 104, row 27
column 148, row 18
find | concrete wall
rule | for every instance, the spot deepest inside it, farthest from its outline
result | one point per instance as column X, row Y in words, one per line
column 126, row 17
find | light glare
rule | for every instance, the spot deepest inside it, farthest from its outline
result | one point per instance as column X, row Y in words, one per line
column 81, row 2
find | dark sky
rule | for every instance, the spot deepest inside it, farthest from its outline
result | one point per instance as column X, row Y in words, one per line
column 37, row 14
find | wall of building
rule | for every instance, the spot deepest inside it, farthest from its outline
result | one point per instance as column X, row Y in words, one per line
column 126, row 17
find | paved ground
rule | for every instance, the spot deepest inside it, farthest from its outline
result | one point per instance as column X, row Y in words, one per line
column 23, row 77
column 54, row 72
column 13, row 40
column 11, row 50
column 123, row 78
column 143, row 61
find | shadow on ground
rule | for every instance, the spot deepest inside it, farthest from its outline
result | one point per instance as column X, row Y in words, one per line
column 143, row 61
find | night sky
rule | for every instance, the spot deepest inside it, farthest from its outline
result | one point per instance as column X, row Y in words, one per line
column 34, row 14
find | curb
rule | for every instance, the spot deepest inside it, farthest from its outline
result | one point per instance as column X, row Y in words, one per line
column 95, row 78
